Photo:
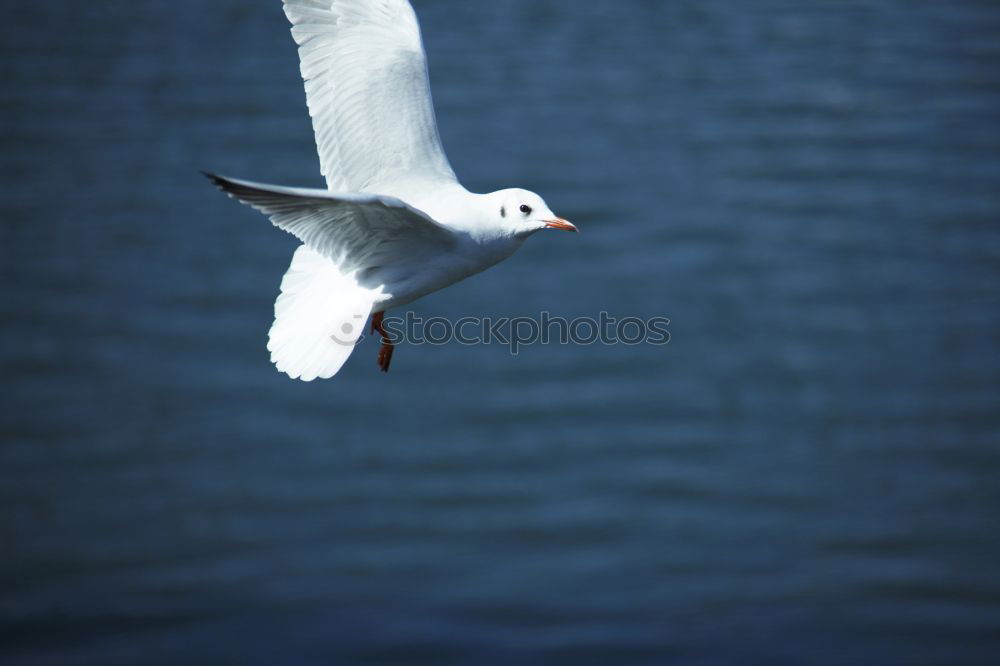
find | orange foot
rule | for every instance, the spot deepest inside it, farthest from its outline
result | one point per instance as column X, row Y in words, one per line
column 385, row 353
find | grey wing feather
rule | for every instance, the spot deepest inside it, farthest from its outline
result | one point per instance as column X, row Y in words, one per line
column 355, row 231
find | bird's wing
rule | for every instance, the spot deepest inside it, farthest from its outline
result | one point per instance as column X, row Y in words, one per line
column 365, row 232
column 368, row 93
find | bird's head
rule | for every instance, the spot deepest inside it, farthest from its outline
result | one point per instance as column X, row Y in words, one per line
column 522, row 213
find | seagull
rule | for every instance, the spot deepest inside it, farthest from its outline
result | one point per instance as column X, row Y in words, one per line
column 394, row 224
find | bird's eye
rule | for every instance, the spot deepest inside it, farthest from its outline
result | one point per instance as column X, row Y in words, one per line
column 526, row 209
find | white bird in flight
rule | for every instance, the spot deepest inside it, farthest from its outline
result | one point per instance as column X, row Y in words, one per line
column 394, row 224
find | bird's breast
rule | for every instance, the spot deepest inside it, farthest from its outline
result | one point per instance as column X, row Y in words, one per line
column 406, row 283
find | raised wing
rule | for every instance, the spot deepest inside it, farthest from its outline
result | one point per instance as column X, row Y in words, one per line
column 375, row 235
column 368, row 93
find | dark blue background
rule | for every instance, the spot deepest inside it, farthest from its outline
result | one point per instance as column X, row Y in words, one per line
column 807, row 474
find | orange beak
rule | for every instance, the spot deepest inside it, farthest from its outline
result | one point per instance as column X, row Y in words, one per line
column 561, row 224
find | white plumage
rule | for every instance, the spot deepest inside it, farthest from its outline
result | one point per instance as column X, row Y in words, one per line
column 394, row 223
column 368, row 94
column 318, row 317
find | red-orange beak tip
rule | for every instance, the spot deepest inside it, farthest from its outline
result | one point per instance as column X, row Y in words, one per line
column 562, row 225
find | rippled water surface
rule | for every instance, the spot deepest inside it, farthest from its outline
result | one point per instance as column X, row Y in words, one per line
column 808, row 473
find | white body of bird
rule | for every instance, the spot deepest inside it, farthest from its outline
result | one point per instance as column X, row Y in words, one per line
column 393, row 224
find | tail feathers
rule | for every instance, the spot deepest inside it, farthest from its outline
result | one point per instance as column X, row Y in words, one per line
column 318, row 317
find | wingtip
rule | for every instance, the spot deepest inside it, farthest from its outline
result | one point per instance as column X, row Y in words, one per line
column 224, row 184
column 215, row 178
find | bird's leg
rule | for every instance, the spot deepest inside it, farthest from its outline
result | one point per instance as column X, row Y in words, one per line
column 385, row 353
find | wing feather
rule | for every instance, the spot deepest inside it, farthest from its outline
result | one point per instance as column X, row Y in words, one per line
column 368, row 93
column 363, row 232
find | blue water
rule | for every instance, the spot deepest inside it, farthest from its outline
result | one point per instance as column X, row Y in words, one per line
column 809, row 473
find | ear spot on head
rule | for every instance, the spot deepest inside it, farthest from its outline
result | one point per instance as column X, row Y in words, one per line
column 503, row 211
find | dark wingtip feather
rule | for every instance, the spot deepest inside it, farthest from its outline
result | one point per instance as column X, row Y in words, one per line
column 224, row 184
column 241, row 191
column 217, row 180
